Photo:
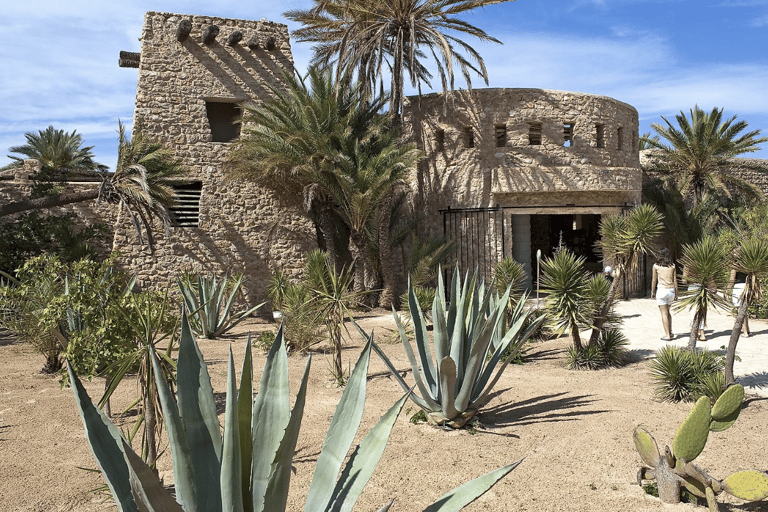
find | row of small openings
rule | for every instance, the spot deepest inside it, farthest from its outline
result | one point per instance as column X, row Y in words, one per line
column 534, row 136
column 185, row 213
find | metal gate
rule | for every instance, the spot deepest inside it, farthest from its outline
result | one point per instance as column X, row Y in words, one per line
column 478, row 238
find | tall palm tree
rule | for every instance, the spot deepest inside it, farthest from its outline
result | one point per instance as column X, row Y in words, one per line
column 288, row 145
column 368, row 36
column 623, row 238
column 140, row 185
column 751, row 259
column 699, row 150
column 56, row 150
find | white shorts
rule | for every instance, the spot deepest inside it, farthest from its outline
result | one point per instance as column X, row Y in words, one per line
column 738, row 289
column 665, row 296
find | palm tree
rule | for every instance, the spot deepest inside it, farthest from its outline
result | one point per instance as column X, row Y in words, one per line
column 700, row 150
column 706, row 272
column 140, row 185
column 288, row 145
column 623, row 238
column 751, row 259
column 56, row 150
column 564, row 280
column 367, row 36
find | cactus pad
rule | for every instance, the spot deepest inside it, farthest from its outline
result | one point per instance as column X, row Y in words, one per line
column 646, row 446
column 750, row 485
column 692, row 435
column 694, row 486
column 728, row 403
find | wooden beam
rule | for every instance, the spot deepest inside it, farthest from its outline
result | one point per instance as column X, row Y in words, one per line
column 183, row 30
column 129, row 59
column 234, row 38
column 209, row 34
column 271, row 43
column 253, row 44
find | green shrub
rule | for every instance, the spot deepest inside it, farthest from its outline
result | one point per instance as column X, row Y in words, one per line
column 608, row 352
column 301, row 322
column 425, row 295
column 264, row 340
column 680, row 373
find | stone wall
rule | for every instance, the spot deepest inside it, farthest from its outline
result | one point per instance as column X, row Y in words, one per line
column 242, row 228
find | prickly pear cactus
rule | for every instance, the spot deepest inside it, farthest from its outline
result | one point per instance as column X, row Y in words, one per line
column 673, row 468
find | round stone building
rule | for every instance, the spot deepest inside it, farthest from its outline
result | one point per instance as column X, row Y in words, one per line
column 509, row 172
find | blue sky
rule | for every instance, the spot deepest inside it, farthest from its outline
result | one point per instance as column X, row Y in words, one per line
column 59, row 59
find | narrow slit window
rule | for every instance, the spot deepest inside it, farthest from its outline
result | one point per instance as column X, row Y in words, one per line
column 534, row 134
column 186, row 212
column 440, row 140
column 620, row 139
column 600, row 135
column 568, row 135
column 469, row 137
column 224, row 119
column 500, row 133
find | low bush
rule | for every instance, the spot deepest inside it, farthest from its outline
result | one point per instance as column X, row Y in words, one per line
column 608, row 352
column 680, row 374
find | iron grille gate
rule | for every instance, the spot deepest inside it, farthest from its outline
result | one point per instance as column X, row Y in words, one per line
column 478, row 239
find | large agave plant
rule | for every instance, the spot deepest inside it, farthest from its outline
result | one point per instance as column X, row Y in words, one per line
column 248, row 467
column 469, row 343
column 210, row 307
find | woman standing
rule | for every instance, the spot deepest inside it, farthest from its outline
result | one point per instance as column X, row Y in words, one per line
column 664, row 289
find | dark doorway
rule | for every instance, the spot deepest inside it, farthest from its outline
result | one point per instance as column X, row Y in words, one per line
column 577, row 232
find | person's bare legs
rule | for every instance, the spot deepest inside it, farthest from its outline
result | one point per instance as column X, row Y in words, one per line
column 666, row 320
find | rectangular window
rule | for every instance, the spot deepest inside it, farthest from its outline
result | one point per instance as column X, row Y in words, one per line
column 224, row 118
column 500, row 133
column 440, row 140
column 568, row 135
column 186, row 212
column 600, row 135
column 620, row 139
column 469, row 137
column 534, row 134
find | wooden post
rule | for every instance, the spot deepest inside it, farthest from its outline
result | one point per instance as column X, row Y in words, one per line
column 209, row 34
column 183, row 30
column 234, row 38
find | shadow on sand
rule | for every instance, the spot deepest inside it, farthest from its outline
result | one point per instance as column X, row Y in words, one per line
column 540, row 409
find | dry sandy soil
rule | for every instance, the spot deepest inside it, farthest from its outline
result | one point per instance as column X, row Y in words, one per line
column 573, row 429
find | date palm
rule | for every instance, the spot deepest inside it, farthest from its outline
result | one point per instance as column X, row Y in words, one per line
column 751, row 259
column 140, row 185
column 56, row 150
column 368, row 36
column 706, row 271
column 696, row 153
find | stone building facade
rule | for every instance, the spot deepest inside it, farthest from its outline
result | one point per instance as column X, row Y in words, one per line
column 195, row 73
column 509, row 172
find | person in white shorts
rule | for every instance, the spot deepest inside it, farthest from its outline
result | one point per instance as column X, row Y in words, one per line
column 664, row 289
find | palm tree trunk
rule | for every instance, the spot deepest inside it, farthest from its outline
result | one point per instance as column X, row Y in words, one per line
column 697, row 319
column 730, row 353
column 388, row 297
column 328, row 229
column 576, row 337
column 48, row 202
column 602, row 315
column 358, row 249
column 150, row 427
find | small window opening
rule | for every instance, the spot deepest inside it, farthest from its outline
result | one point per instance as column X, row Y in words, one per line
column 500, row 133
column 620, row 139
column 600, row 135
column 568, row 135
column 186, row 212
column 534, row 134
column 469, row 137
column 224, row 118
column 440, row 140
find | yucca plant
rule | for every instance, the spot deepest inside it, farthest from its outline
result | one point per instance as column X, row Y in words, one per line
column 564, row 280
column 681, row 374
column 471, row 350
column 508, row 273
column 752, row 259
column 607, row 352
column 209, row 305
column 704, row 266
column 248, row 467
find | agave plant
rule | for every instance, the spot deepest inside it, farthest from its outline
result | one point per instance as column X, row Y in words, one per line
column 210, row 308
column 469, row 343
column 251, row 460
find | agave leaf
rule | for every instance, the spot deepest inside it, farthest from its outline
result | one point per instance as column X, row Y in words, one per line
column 386, row 507
column 280, row 477
column 106, row 444
column 417, row 400
column 422, row 342
column 447, row 386
column 363, row 461
column 440, row 334
column 231, row 464
column 147, row 489
column 646, row 446
column 271, row 413
column 691, row 437
column 199, row 418
column 463, row 495
column 475, row 361
column 183, row 469
column 245, row 411
column 429, row 396
column 341, row 433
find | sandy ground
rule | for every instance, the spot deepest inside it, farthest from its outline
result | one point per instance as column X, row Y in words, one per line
column 572, row 428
